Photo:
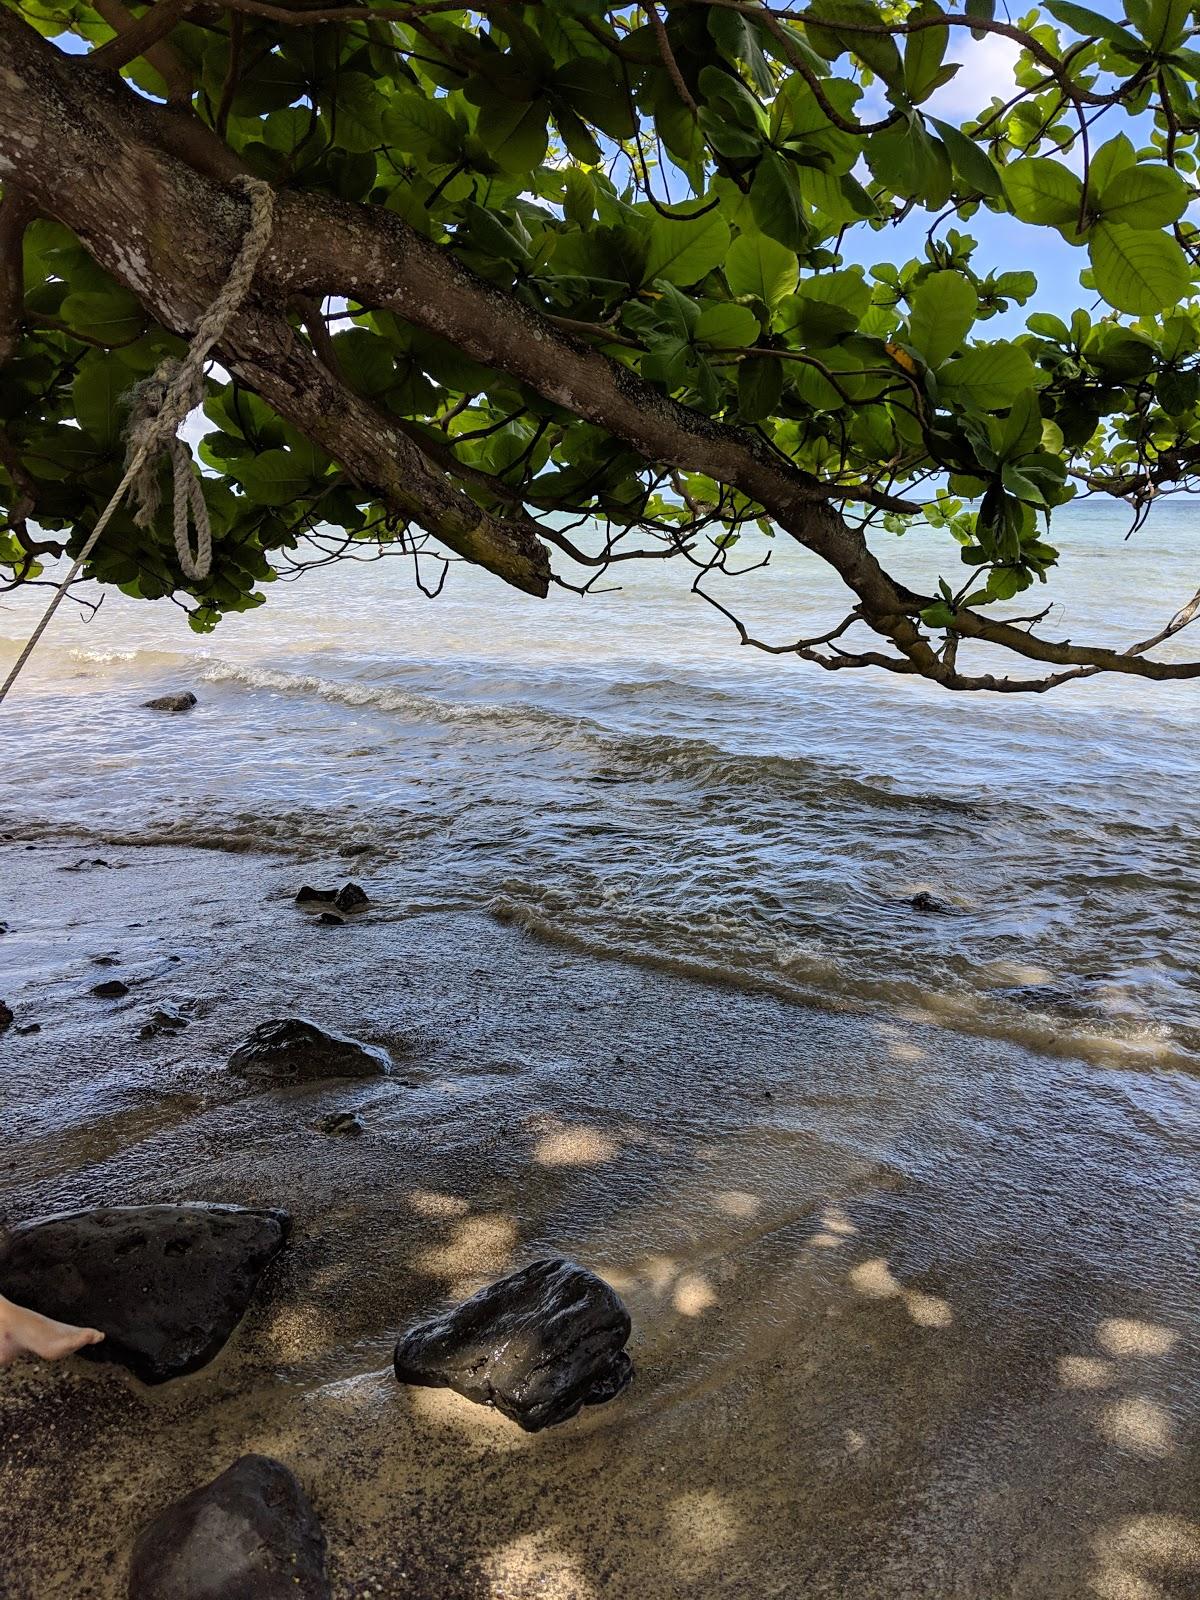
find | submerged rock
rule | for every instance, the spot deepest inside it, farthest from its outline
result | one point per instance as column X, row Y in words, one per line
column 165, row 1019
column 110, row 989
column 248, row 1535
column 294, row 1050
column 166, row 1285
column 340, row 1122
column 537, row 1345
column 184, row 701
column 927, row 902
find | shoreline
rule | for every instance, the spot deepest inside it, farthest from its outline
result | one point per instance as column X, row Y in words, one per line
column 904, row 1324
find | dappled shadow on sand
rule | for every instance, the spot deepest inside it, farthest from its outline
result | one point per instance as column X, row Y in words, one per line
column 903, row 1327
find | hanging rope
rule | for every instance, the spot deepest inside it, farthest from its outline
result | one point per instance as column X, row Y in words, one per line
column 160, row 403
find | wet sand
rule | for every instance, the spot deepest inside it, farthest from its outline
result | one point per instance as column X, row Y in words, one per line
column 914, row 1313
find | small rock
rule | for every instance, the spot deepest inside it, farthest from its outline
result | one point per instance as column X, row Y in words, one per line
column 351, row 898
column 331, row 919
column 354, row 849
column 340, row 1122
column 927, row 902
column 163, row 1020
column 86, row 865
column 6, row 1016
column 249, row 1535
column 3, row 927
column 110, row 989
column 171, row 702
column 306, row 893
column 30, row 1027
column 104, row 961
column 166, row 1285
column 537, row 1345
column 294, row 1050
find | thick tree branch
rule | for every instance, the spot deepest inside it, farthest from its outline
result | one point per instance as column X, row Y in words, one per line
column 166, row 61
column 16, row 213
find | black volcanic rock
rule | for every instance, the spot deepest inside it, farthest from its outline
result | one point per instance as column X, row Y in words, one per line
column 6, row 1016
column 110, row 989
column 248, row 1535
column 183, row 701
column 294, row 1050
column 351, row 897
column 924, row 901
column 537, row 1345
column 166, row 1285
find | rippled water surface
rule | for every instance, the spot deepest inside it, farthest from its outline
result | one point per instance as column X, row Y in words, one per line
column 618, row 774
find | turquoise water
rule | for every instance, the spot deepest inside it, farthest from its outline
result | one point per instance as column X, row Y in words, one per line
column 619, row 774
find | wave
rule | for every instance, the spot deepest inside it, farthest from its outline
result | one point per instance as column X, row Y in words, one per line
column 830, row 986
column 621, row 757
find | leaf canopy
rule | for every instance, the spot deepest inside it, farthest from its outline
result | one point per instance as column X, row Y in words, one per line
column 688, row 192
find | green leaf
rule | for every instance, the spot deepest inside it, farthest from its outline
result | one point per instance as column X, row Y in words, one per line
column 943, row 313
column 726, row 326
column 775, row 200
column 1138, row 272
column 686, row 250
column 1041, row 190
column 274, row 478
column 924, row 52
column 760, row 266
column 1144, row 197
column 365, row 359
column 760, row 385
column 514, row 133
column 972, row 163
column 113, row 317
column 988, row 377
column 417, row 126
column 1091, row 24
column 98, row 390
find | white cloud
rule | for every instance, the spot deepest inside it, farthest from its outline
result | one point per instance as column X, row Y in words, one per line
column 985, row 70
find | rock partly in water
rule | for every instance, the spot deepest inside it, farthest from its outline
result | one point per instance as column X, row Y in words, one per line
column 248, row 1535
column 28, row 1027
column 164, row 1019
column 306, row 895
column 86, row 865
column 340, row 1122
column 294, row 1050
column 927, row 902
column 537, row 1345
column 6, row 1016
column 166, row 1285
column 110, row 989
column 183, row 701
column 350, row 897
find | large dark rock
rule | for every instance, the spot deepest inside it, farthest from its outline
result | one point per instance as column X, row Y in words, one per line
column 295, row 1050
column 7, row 1015
column 166, row 1285
column 172, row 702
column 537, row 1345
column 248, row 1535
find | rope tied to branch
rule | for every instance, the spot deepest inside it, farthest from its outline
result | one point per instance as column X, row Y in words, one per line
column 159, row 405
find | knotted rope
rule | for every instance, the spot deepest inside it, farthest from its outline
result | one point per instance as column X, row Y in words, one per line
column 159, row 405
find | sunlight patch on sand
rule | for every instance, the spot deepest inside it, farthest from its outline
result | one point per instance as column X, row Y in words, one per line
column 1138, row 1424
column 1085, row 1372
column 580, row 1146
column 1128, row 1336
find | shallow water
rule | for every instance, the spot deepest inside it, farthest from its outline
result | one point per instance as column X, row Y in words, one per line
column 617, row 774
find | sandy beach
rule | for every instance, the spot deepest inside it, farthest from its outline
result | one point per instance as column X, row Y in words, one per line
column 900, row 1328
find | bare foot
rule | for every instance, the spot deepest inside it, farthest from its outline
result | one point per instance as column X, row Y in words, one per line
column 24, row 1332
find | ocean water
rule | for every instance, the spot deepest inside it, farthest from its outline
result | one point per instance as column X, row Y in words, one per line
column 617, row 774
